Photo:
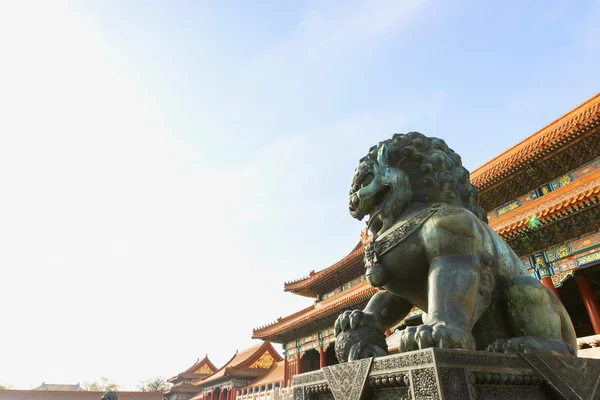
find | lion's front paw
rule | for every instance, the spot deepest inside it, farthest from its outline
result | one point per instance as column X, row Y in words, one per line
column 438, row 335
column 362, row 342
column 351, row 320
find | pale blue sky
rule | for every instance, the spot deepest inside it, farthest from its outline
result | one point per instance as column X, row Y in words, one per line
column 166, row 166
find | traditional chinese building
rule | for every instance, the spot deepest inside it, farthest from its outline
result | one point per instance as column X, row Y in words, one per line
column 183, row 383
column 270, row 385
column 542, row 197
column 243, row 368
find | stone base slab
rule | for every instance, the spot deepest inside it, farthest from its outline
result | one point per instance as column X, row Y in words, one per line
column 436, row 374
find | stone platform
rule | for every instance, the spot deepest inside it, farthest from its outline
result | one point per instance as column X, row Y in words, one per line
column 454, row 375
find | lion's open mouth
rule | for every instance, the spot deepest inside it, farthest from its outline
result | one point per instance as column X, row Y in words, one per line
column 374, row 223
column 371, row 206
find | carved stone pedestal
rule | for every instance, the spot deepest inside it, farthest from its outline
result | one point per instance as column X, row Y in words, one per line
column 454, row 374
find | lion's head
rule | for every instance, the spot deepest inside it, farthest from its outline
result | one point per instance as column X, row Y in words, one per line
column 406, row 169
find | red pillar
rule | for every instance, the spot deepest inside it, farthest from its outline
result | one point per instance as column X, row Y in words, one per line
column 286, row 372
column 298, row 364
column 590, row 301
column 233, row 393
column 547, row 281
column 322, row 358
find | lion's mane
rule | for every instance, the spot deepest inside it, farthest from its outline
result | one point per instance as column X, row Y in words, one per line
column 435, row 171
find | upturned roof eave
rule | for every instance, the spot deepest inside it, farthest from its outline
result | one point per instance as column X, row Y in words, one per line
column 272, row 332
column 306, row 286
column 551, row 136
column 236, row 366
column 199, row 363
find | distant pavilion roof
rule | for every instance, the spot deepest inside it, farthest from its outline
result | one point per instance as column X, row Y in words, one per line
column 201, row 368
column 59, row 387
column 184, row 382
column 252, row 362
column 273, row 375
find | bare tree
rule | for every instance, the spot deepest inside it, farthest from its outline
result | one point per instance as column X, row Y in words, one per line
column 101, row 385
column 157, row 384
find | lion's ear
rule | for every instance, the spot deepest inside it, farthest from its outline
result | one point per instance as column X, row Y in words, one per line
column 382, row 154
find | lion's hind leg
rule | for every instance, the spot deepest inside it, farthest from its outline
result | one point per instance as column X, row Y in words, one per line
column 536, row 319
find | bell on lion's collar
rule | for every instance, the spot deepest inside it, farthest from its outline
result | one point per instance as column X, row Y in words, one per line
column 377, row 275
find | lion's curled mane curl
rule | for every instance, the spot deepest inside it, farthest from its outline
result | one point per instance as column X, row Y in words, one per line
column 435, row 171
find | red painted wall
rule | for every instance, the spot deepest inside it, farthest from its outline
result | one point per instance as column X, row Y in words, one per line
column 79, row 395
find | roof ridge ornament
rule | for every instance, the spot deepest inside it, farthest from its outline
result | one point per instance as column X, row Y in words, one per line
column 365, row 236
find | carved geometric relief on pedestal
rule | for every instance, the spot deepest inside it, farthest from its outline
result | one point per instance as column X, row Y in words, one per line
column 569, row 377
column 346, row 381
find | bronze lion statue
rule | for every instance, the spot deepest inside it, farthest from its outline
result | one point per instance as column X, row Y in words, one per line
column 432, row 248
